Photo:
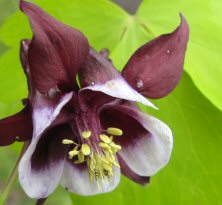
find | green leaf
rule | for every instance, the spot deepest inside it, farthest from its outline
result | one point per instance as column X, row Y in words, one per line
column 13, row 84
column 6, row 8
column 133, row 36
column 194, row 175
column 203, row 61
column 95, row 18
column 60, row 196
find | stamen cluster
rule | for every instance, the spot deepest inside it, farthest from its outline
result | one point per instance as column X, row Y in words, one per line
column 100, row 159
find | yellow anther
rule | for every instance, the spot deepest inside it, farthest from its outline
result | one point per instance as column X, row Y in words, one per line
column 81, row 157
column 73, row 153
column 91, row 166
column 105, row 138
column 86, row 134
column 104, row 145
column 85, row 149
column 114, row 150
column 115, row 146
column 66, row 141
column 115, row 131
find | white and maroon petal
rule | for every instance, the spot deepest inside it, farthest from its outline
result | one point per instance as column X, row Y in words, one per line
column 146, row 142
column 76, row 179
column 151, row 152
column 45, row 111
column 98, row 74
column 156, row 68
column 41, row 167
column 40, row 183
column 119, row 88
column 143, row 180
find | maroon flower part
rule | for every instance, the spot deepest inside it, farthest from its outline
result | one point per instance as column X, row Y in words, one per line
column 83, row 135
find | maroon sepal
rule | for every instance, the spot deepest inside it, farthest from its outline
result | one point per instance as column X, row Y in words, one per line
column 156, row 68
column 17, row 127
column 56, row 50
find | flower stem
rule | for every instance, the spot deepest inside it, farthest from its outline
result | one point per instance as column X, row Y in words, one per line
column 41, row 201
column 6, row 190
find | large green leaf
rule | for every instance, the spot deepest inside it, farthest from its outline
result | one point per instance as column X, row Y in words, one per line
column 134, row 35
column 6, row 8
column 13, row 84
column 101, row 21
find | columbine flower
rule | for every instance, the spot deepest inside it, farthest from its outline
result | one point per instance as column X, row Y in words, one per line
column 83, row 135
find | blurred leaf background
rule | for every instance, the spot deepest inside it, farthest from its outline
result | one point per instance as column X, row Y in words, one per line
column 193, row 110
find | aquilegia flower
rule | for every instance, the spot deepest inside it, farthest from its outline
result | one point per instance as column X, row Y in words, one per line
column 85, row 132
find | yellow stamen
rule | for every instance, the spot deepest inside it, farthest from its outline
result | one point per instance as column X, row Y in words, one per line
column 107, row 167
column 100, row 158
column 104, row 145
column 81, row 157
column 86, row 134
column 115, row 131
column 113, row 145
column 73, row 153
column 105, row 138
column 66, row 141
column 105, row 160
column 110, row 159
column 116, row 164
column 85, row 149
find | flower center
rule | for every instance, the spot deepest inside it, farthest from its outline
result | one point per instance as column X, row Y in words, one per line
column 100, row 156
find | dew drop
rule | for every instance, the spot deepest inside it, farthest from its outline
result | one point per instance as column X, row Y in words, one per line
column 53, row 92
column 168, row 51
column 139, row 84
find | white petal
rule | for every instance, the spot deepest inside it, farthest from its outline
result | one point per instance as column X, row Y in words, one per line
column 41, row 183
column 78, row 181
column 119, row 88
column 151, row 152
column 44, row 113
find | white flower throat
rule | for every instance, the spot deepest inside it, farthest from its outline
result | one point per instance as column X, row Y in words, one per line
column 100, row 158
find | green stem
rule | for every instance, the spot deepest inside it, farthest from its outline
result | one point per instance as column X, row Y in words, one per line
column 41, row 201
column 6, row 190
